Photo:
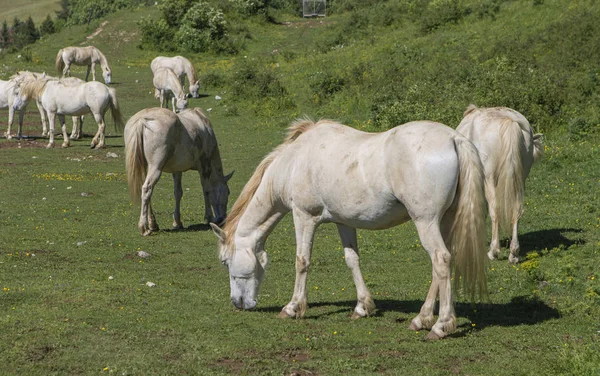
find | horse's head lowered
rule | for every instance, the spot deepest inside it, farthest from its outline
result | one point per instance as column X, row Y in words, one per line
column 194, row 89
column 107, row 74
column 218, row 196
column 246, row 269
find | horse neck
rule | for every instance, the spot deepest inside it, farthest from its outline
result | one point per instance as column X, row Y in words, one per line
column 101, row 58
column 258, row 220
column 175, row 85
column 190, row 72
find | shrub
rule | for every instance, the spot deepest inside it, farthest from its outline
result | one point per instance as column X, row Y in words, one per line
column 157, row 34
column 202, row 28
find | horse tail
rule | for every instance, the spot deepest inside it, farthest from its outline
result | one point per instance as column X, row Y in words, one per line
column 115, row 110
column 509, row 176
column 468, row 233
column 60, row 64
column 538, row 147
column 135, row 161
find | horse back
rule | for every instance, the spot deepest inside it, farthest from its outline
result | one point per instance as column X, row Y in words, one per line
column 368, row 180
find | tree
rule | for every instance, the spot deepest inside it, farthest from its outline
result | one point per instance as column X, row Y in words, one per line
column 47, row 26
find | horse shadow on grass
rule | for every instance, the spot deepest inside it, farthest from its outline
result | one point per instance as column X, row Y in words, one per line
column 546, row 239
column 190, row 228
column 521, row 310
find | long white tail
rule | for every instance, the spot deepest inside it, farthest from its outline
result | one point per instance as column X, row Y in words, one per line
column 468, row 234
column 115, row 111
column 510, row 177
column 60, row 64
column 135, row 161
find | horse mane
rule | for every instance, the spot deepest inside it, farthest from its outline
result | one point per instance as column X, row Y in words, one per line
column 193, row 72
column 469, row 109
column 298, row 127
column 33, row 88
column 101, row 57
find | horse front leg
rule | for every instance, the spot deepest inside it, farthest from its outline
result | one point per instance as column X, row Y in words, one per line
column 66, row 141
column 76, row 132
column 51, row 119
column 43, row 116
column 11, row 118
column 431, row 238
column 365, row 305
column 147, row 222
column 87, row 74
column 178, row 193
column 305, row 226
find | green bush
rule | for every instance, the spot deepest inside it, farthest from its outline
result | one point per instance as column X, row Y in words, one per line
column 156, row 34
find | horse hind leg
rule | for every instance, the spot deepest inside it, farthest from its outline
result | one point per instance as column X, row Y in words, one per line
column 178, row 193
column 513, row 257
column 98, row 140
column 147, row 223
column 490, row 194
column 365, row 305
column 433, row 242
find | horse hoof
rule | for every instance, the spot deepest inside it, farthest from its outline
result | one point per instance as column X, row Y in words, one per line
column 49, row 146
column 65, row 145
column 284, row 315
column 355, row 316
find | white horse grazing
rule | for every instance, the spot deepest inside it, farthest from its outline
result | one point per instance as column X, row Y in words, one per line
column 58, row 98
column 158, row 140
column 328, row 172
column 508, row 148
column 181, row 67
column 89, row 56
column 167, row 85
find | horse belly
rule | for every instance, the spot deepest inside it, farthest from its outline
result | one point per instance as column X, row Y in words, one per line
column 372, row 216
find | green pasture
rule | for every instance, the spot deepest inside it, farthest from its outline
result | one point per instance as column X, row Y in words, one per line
column 74, row 298
column 22, row 9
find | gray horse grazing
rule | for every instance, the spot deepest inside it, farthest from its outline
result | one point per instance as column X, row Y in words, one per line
column 158, row 140
column 182, row 67
column 508, row 149
column 89, row 56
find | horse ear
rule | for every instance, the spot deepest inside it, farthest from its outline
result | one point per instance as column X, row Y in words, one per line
column 227, row 177
column 218, row 232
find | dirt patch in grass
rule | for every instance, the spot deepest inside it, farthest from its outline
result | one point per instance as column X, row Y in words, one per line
column 234, row 366
column 23, row 144
column 39, row 353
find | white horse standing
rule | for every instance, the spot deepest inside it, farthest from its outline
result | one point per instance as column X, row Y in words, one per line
column 89, row 56
column 7, row 100
column 167, row 85
column 158, row 140
column 58, row 98
column 182, row 67
column 328, row 172
column 508, row 149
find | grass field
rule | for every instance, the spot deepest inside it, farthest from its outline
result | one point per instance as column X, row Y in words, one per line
column 75, row 299
column 22, row 9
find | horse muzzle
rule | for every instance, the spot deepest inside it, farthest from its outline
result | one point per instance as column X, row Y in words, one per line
column 240, row 303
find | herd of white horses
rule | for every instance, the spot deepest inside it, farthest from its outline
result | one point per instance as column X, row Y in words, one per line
column 445, row 180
